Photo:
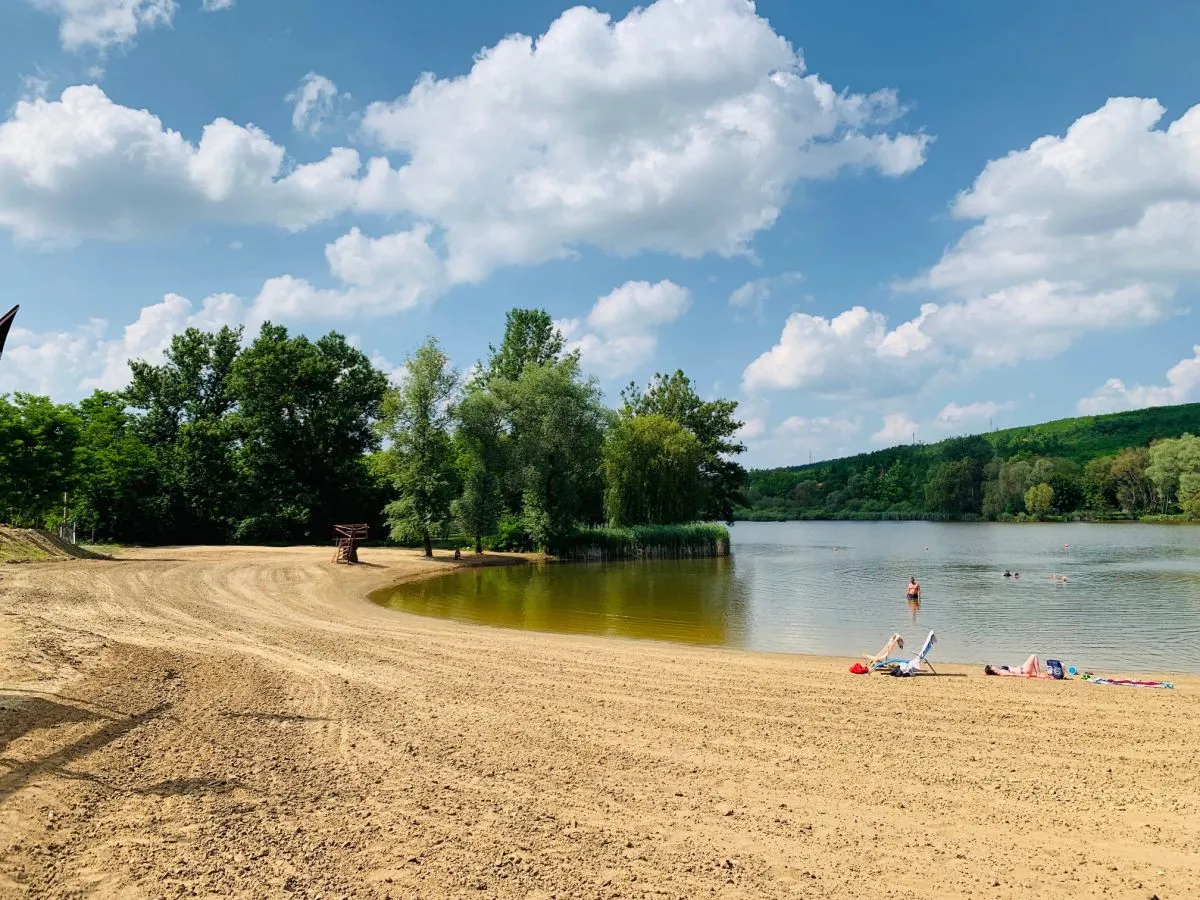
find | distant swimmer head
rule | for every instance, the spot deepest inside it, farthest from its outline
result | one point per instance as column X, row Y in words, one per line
column 1007, row 574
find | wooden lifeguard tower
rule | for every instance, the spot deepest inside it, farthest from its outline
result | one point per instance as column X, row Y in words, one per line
column 346, row 539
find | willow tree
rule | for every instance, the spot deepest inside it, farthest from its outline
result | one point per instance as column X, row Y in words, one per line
column 652, row 472
column 416, row 421
column 555, row 421
column 715, row 426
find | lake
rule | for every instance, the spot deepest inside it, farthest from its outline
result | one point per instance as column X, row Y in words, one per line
column 1131, row 602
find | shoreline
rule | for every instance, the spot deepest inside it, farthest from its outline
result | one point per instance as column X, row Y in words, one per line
column 246, row 723
column 516, row 559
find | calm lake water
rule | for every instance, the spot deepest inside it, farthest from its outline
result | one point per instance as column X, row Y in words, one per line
column 1132, row 602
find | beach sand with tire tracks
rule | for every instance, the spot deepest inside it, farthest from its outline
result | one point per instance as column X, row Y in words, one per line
column 242, row 722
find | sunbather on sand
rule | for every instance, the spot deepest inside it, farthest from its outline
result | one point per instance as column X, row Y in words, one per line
column 1031, row 668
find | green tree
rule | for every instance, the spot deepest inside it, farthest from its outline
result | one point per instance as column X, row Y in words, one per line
column 1039, row 500
column 479, row 439
column 714, row 424
column 1189, row 494
column 1099, row 486
column 116, row 482
column 182, row 409
column 416, row 421
column 1169, row 459
column 304, row 422
column 1068, row 492
column 530, row 339
column 1134, row 490
column 652, row 472
column 955, row 488
column 38, row 439
column 556, row 422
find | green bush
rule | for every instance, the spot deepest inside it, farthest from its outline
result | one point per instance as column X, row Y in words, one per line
column 644, row 542
column 511, row 537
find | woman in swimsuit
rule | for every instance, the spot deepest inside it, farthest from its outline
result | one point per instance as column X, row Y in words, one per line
column 1029, row 669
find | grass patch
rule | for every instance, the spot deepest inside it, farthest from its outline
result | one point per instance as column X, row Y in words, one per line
column 644, row 542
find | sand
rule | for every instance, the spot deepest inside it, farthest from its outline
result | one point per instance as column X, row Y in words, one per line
column 242, row 723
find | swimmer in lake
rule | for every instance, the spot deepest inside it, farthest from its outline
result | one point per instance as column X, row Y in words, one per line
column 1007, row 574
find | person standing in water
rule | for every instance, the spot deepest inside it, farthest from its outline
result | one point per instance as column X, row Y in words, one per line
column 913, row 597
column 914, row 589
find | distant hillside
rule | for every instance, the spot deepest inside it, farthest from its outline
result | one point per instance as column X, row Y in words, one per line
column 988, row 475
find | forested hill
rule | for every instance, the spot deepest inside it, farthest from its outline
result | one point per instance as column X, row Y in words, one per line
column 1128, row 463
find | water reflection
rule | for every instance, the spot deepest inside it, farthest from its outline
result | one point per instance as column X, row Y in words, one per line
column 686, row 601
column 1132, row 601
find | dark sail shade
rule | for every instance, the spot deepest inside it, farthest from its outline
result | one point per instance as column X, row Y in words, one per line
column 5, row 325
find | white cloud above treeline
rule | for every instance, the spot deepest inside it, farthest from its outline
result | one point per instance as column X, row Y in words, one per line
column 620, row 334
column 681, row 128
column 1094, row 230
column 1183, row 386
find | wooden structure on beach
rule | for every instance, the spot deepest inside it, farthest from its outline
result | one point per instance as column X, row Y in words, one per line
column 346, row 539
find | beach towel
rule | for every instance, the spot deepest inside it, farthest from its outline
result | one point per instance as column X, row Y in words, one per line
column 1126, row 682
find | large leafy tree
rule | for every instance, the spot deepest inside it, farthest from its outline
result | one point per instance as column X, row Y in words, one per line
column 480, row 444
column 954, row 488
column 304, row 422
column 714, row 424
column 555, row 420
column 1133, row 488
column 1039, row 500
column 116, row 487
column 182, row 407
column 38, row 439
column 416, row 422
column 1169, row 460
column 530, row 339
column 652, row 472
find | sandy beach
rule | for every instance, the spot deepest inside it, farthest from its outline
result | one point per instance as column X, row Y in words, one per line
column 242, row 722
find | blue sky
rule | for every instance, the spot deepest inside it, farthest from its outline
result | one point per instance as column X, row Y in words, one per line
column 862, row 220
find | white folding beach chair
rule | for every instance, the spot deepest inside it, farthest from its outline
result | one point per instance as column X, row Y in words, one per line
column 913, row 666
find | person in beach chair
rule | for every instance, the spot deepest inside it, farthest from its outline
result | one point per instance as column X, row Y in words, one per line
column 884, row 656
column 913, row 666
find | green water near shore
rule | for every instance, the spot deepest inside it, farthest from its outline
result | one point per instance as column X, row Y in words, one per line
column 1132, row 601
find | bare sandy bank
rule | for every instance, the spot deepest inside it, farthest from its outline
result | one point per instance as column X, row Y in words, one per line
column 241, row 722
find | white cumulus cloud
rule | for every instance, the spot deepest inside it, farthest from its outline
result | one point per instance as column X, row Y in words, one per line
column 68, row 363
column 83, row 166
column 897, row 428
column 216, row 5
column 377, row 276
column 955, row 414
column 1183, row 386
column 837, row 355
column 680, row 128
column 312, row 102
column 754, row 294
column 103, row 24
column 619, row 334
column 1094, row 230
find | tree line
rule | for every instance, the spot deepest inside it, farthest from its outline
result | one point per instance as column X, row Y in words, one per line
column 279, row 438
column 1071, row 469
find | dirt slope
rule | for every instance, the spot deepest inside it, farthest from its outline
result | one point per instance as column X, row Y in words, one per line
column 241, row 723
column 36, row 545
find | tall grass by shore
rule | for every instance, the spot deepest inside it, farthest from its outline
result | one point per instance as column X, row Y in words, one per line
column 644, row 542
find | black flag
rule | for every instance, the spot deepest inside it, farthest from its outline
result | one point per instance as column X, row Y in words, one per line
column 5, row 325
